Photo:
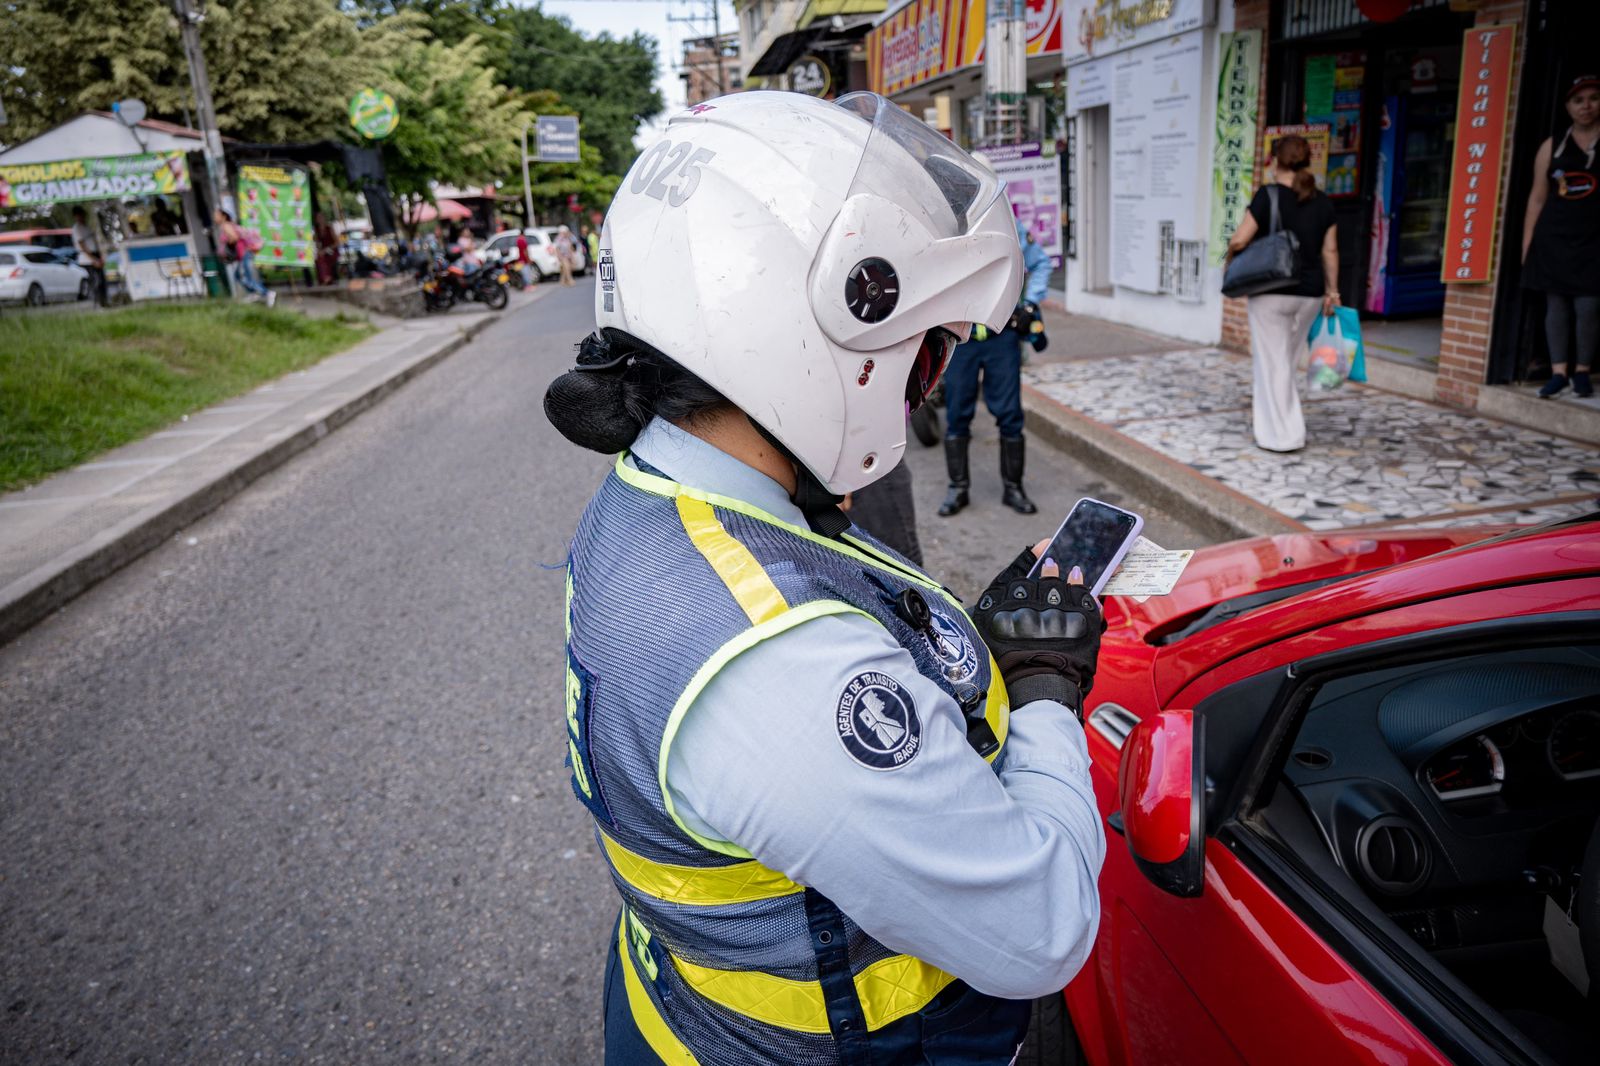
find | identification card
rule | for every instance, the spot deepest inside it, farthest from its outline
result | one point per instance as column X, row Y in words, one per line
column 1148, row 570
column 1566, row 950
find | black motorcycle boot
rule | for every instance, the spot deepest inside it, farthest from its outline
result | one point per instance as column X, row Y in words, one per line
column 1012, row 453
column 955, row 462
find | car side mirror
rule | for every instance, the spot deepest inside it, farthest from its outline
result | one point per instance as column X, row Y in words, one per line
column 1161, row 785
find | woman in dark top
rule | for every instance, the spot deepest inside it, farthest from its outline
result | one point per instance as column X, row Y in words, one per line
column 1561, row 240
column 1279, row 321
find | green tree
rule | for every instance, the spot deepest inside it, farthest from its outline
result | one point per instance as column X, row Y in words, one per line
column 280, row 70
column 457, row 123
column 608, row 82
column 450, row 21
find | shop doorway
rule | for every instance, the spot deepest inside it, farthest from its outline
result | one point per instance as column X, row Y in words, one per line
column 1382, row 97
column 1560, row 46
column 1095, row 217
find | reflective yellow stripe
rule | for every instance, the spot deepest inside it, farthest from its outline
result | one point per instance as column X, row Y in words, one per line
column 662, row 1040
column 732, row 561
column 742, row 882
column 997, row 711
column 888, row 990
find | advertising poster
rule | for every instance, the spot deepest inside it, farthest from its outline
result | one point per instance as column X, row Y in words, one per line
column 914, row 44
column 1033, row 183
column 107, row 178
column 1155, row 155
column 1316, row 135
column 1234, row 151
column 275, row 201
column 1333, row 99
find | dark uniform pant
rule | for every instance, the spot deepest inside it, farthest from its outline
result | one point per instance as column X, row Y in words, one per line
column 625, row 1045
column 999, row 359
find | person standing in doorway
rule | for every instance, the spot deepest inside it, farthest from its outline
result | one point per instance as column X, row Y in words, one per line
column 566, row 254
column 327, row 249
column 86, row 240
column 1561, row 241
column 1279, row 321
column 996, row 355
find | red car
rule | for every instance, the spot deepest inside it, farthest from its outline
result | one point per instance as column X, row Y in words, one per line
column 1358, row 777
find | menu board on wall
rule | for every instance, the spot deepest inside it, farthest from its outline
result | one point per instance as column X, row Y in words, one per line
column 1033, row 183
column 1155, row 155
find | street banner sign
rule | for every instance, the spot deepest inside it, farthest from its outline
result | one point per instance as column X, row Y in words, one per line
column 106, row 178
column 558, row 139
column 276, row 201
column 1234, row 148
column 1486, row 56
column 374, row 114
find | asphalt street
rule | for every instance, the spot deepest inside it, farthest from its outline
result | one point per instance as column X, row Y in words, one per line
column 290, row 788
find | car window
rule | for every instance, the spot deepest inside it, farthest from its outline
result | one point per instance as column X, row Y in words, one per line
column 39, row 257
column 1431, row 786
column 535, row 238
column 7, row 259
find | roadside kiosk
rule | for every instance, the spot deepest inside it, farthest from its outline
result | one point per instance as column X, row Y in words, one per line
column 119, row 171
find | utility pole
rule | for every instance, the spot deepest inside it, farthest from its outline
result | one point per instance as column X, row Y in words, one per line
column 527, row 181
column 1005, row 72
column 189, row 19
column 716, row 40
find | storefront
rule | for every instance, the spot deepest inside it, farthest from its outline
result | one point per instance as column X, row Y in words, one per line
column 928, row 56
column 1433, row 111
column 1141, row 102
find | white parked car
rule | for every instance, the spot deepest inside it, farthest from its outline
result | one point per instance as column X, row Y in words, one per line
column 34, row 274
column 541, row 248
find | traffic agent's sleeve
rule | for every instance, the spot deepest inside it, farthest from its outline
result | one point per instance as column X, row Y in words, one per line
column 987, row 873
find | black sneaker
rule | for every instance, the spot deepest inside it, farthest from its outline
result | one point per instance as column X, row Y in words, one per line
column 1580, row 384
column 1556, row 383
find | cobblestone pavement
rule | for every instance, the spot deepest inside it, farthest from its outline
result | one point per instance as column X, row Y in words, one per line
column 1371, row 458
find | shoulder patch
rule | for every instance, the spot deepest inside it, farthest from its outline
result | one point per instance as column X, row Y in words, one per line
column 877, row 722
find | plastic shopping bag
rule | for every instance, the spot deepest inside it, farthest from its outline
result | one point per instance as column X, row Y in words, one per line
column 1335, row 342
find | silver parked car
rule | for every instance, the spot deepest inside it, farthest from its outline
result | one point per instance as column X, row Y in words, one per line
column 34, row 274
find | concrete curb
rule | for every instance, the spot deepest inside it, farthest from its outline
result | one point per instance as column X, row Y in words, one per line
column 1191, row 497
column 28, row 599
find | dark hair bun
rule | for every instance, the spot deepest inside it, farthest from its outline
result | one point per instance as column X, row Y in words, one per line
column 590, row 404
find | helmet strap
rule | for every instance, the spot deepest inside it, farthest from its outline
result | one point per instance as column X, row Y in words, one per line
column 820, row 506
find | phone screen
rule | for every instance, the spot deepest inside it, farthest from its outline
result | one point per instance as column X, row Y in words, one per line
column 1092, row 537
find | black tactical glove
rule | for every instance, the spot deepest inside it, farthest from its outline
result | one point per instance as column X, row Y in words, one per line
column 1043, row 632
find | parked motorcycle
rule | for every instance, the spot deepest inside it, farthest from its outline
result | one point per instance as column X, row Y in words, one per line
column 445, row 284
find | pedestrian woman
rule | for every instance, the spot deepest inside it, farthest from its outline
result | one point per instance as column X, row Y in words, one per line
column 236, row 248
column 1561, row 240
column 566, row 255
column 1280, row 320
column 327, row 249
column 843, row 828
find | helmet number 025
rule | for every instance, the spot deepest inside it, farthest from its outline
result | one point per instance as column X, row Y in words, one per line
column 664, row 161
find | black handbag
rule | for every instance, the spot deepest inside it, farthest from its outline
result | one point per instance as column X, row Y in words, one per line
column 1268, row 263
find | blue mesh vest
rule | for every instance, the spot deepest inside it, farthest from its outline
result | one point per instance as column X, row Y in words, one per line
column 726, row 961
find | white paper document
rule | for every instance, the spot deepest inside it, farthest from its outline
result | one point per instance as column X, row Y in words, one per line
column 1148, row 570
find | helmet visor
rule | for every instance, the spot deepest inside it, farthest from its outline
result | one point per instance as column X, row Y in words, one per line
column 911, row 164
column 932, row 357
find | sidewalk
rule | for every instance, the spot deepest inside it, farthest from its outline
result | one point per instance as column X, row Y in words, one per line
column 62, row 535
column 1176, row 422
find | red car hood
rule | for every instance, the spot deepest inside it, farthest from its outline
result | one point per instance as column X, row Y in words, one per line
column 1142, row 639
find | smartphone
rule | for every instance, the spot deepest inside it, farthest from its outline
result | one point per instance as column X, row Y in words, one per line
column 1095, row 536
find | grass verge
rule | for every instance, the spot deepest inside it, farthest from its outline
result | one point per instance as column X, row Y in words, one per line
column 75, row 385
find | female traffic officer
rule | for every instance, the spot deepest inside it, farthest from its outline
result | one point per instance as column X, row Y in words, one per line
column 849, row 823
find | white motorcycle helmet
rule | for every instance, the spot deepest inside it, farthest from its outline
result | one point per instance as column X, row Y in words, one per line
column 813, row 262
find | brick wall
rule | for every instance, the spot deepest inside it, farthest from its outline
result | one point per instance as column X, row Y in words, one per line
column 1469, row 309
column 1249, row 15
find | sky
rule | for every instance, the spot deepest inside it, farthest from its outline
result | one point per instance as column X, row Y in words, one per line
column 622, row 17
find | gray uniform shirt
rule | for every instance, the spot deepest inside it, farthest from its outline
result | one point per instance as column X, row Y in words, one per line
column 990, row 876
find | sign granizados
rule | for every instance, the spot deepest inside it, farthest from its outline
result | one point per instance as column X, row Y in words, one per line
column 107, row 178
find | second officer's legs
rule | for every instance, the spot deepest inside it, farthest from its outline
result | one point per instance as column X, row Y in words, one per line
column 961, row 400
column 1002, row 394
